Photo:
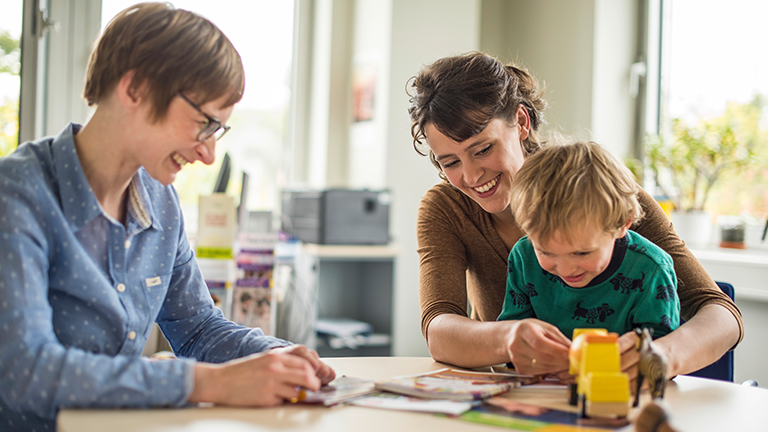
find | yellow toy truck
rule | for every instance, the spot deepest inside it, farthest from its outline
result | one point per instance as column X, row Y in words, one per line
column 601, row 389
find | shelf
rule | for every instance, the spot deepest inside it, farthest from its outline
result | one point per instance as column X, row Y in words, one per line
column 756, row 257
column 356, row 252
column 373, row 340
column 377, row 344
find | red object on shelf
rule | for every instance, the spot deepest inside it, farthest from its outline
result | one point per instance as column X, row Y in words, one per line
column 732, row 245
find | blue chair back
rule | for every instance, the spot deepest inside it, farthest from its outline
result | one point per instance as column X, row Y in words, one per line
column 723, row 368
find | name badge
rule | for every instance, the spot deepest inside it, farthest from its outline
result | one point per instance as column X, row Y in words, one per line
column 153, row 281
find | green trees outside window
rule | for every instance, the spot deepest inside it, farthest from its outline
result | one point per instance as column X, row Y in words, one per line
column 718, row 164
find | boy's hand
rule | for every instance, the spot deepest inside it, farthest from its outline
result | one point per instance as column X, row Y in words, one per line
column 538, row 348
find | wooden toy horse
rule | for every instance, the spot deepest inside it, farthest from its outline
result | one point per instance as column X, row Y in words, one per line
column 652, row 366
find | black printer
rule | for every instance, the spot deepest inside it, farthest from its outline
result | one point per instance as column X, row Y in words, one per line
column 337, row 216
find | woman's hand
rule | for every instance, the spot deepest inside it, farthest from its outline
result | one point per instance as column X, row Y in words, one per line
column 322, row 370
column 538, row 348
column 629, row 354
column 264, row 379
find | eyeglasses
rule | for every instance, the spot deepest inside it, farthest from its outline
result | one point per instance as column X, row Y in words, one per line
column 212, row 128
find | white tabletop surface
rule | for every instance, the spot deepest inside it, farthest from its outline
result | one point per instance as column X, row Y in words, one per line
column 695, row 404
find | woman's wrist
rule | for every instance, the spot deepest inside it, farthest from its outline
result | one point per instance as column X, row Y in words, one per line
column 700, row 341
column 205, row 383
column 509, row 333
column 665, row 344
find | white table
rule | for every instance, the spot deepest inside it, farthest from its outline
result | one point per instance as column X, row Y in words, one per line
column 696, row 405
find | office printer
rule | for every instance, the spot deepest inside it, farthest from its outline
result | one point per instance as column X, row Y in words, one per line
column 337, row 216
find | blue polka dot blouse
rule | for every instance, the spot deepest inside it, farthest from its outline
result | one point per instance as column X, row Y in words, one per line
column 79, row 293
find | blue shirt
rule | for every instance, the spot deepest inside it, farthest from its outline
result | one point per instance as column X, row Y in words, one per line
column 79, row 293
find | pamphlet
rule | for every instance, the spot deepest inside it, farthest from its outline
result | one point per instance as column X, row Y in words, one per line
column 409, row 403
column 340, row 390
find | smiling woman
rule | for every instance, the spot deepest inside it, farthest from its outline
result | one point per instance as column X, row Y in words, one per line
column 95, row 249
column 261, row 31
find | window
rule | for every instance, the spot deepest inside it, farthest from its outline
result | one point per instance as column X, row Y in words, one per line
column 262, row 32
column 714, row 72
column 10, row 66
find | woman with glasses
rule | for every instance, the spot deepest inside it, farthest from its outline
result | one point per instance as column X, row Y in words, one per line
column 93, row 249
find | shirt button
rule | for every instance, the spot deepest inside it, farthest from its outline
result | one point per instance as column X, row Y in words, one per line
column 120, row 287
column 127, row 244
column 132, row 335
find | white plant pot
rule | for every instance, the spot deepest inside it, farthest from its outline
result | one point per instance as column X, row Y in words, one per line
column 694, row 227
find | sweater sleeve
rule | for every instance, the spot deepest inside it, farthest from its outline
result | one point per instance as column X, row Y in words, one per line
column 695, row 287
column 442, row 262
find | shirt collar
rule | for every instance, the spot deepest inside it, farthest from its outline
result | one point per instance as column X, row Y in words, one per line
column 79, row 203
column 141, row 214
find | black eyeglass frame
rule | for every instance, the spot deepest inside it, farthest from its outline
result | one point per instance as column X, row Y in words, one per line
column 212, row 127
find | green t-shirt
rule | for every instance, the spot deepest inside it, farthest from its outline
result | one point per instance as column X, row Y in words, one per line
column 637, row 289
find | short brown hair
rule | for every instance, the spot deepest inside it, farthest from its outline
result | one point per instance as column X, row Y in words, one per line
column 460, row 95
column 170, row 51
column 564, row 185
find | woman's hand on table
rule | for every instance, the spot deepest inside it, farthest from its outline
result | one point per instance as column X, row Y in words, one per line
column 538, row 348
column 322, row 370
column 264, row 379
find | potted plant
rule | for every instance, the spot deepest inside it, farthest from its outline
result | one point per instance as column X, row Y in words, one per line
column 686, row 166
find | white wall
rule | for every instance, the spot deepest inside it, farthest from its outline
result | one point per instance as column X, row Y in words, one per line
column 615, row 50
column 554, row 39
column 581, row 51
column 422, row 32
column 749, row 357
column 330, row 96
column 370, row 60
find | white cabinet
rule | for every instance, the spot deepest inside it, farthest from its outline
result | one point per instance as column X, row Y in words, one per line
column 355, row 282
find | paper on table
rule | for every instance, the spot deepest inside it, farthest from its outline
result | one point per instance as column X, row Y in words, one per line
column 408, row 403
column 340, row 390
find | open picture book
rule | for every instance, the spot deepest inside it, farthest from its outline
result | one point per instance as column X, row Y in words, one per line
column 452, row 384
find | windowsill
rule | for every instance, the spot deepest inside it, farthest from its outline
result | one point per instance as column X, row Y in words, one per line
column 745, row 269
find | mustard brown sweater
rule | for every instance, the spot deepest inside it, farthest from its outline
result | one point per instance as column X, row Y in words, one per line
column 463, row 260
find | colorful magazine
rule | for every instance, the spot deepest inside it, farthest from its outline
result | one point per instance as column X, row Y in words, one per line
column 499, row 411
column 451, row 384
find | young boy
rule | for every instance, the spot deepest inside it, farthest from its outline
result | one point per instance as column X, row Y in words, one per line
column 576, row 203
